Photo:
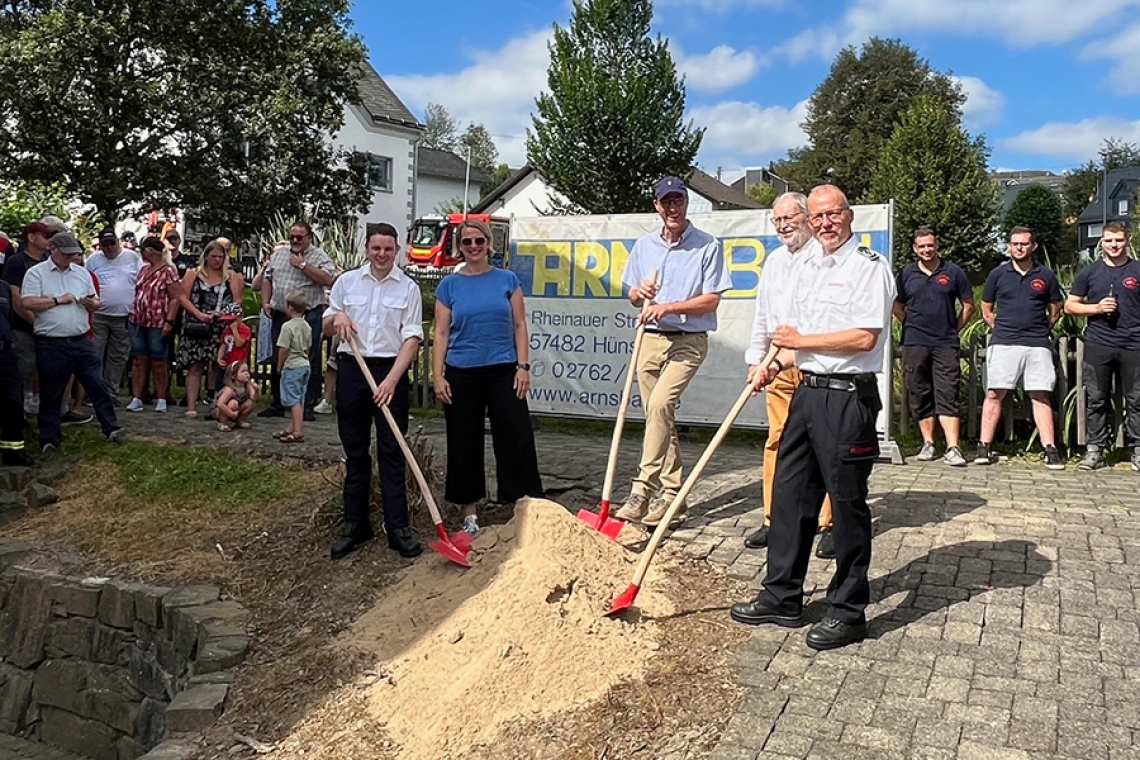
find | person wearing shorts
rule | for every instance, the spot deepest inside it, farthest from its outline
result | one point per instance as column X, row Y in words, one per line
column 929, row 291
column 1027, row 299
column 293, row 347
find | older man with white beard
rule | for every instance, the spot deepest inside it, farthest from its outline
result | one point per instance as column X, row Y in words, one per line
column 789, row 213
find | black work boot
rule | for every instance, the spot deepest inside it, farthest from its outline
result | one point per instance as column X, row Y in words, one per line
column 405, row 542
column 352, row 535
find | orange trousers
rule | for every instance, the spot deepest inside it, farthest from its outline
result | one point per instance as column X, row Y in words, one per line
column 779, row 396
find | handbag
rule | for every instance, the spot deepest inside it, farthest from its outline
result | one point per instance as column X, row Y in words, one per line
column 196, row 328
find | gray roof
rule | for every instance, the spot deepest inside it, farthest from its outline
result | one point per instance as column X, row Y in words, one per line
column 1121, row 184
column 442, row 163
column 380, row 102
column 724, row 198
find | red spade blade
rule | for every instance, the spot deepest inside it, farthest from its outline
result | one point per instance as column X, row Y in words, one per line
column 448, row 548
column 625, row 601
column 609, row 527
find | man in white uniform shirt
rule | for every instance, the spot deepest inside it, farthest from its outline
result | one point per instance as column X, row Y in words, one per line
column 117, row 269
column 773, row 308
column 382, row 308
column 841, row 309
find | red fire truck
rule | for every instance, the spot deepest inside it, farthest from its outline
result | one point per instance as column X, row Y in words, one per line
column 433, row 243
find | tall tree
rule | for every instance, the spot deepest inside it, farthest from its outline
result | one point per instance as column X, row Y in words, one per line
column 501, row 174
column 853, row 113
column 936, row 175
column 1084, row 184
column 224, row 106
column 440, row 130
column 762, row 193
column 613, row 120
column 484, row 154
column 1040, row 209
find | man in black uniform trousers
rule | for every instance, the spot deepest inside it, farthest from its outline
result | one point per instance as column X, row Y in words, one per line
column 841, row 308
column 381, row 307
column 11, row 404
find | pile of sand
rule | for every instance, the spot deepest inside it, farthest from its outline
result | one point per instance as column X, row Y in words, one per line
column 520, row 635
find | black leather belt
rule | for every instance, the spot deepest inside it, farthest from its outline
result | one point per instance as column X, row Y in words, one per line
column 69, row 339
column 831, row 382
column 671, row 333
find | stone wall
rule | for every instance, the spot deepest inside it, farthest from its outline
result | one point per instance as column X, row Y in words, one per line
column 109, row 669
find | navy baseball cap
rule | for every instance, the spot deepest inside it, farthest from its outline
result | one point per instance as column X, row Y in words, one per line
column 667, row 185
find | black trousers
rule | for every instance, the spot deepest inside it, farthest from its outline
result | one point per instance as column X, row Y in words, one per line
column 57, row 359
column 1101, row 363
column 356, row 414
column 829, row 446
column 11, row 400
column 477, row 393
column 316, row 376
column 933, row 377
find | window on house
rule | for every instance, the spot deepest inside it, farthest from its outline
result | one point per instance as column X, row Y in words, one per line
column 1122, row 208
column 1096, row 230
column 379, row 172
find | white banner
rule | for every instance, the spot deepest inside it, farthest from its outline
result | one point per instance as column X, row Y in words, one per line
column 582, row 327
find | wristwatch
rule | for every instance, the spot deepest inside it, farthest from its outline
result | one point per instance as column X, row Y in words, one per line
column 523, row 365
column 55, row 301
column 303, row 265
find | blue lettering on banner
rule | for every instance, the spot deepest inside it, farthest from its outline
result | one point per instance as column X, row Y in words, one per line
column 593, row 268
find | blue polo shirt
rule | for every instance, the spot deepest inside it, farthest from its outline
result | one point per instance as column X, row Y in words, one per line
column 693, row 266
column 1022, row 304
column 931, row 303
column 1092, row 284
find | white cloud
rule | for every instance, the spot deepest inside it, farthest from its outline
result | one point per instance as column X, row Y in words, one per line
column 1124, row 49
column 498, row 90
column 1078, row 141
column 1021, row 23
column 742, row 130
column 722, row 68
column 983, row 105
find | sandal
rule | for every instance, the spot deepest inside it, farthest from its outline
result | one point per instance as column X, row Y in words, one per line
column 244, row 425
column 282, row 433
column 191, row 415
column 224, row 427
column 291, row 438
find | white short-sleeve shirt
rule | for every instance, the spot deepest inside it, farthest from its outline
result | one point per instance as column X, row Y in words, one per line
column 386, row 312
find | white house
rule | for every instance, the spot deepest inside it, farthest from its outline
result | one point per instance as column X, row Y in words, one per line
column 526, row 194
column 385, row 131
column 441, row 177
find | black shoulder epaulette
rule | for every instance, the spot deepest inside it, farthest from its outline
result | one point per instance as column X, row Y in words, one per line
column 867, row 253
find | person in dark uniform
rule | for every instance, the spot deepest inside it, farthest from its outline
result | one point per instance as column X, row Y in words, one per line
column 841, row 308
column 381, row 307
column 929, row 291
column 1107, row 292
column 11, row 404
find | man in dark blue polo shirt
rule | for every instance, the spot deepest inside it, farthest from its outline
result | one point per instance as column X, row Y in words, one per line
column 929, row 291
column 1107, row 292
column 1028, row 301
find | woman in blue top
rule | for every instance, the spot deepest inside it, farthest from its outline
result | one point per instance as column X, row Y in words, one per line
column 480, row 369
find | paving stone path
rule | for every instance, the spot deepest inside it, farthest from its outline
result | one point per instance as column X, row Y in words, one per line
column 1004, row 624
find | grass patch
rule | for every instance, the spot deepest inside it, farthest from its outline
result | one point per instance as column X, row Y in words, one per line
column 195, row 476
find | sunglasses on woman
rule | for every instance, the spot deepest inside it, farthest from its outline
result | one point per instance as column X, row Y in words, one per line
column 473, row 241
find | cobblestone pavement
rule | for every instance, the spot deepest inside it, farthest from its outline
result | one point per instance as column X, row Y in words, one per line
column 12, row 748
column 1004, row 624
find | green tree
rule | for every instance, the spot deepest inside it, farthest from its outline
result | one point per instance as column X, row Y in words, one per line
column 1040, row 209
column 936, row 175
column 501, row 174
column 762, row 193
column 484, row 154
column 612, row 122
column 22, row 202
column 221, row 106
column 1085, row 183
column 440, row 130
column 853, row 113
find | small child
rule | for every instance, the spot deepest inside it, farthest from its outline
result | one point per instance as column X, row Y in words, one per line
column 238, row 396
column 293, row 346
column 233, row 346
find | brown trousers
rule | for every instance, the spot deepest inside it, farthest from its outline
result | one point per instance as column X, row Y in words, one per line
column 779, row 396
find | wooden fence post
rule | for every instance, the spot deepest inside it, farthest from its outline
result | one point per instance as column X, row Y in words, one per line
column 1082, row 406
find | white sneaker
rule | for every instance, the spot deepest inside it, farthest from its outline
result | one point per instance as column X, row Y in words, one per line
column 160, row 405
column 135, row 405
column 31, row 403
column 471, row 525
column 323, row 408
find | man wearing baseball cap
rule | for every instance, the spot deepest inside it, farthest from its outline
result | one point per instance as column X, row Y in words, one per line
column 36, row 237
column 60, row 293
column 691, row 274
column 117, row 270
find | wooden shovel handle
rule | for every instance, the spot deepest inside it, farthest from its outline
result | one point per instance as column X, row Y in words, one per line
column 408, row 455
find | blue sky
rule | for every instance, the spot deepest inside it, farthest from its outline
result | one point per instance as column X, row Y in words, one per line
column 1047, row 80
